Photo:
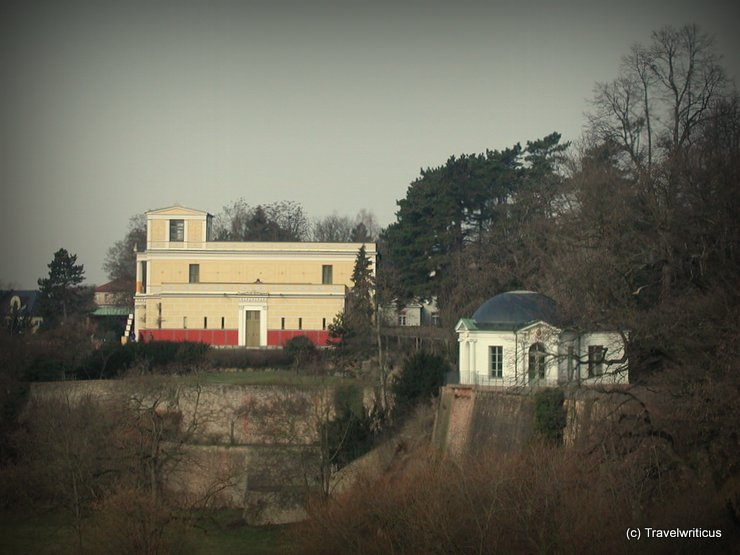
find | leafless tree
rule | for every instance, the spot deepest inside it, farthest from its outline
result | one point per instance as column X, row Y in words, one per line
column 332, row 229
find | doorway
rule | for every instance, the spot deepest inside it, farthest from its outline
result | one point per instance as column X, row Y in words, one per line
column 536, row 363
column 252, row 328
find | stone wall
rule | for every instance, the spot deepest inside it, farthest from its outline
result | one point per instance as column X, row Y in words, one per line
column 473, row 419
column 245, row 446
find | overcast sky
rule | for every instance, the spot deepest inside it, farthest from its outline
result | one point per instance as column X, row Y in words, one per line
column 108, row 110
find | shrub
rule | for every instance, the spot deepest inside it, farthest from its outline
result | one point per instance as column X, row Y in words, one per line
column 421, row 377
column 131, row 521
column 349, row 433
column 549, row 415
column 300, row 345
column 158, row 357
column 46, row 369
column 540, row 500
column 302, row 349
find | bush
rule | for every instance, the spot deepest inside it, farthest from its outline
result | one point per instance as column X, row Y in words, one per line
column 45, row 369
column 300, row 346
column 540, row 500
column 549, row 414
column 349, row 433
column 160, row 354
column 491, row 504
column 132, row 522
column 159, row 357
column 421, row 377
column 302, row 349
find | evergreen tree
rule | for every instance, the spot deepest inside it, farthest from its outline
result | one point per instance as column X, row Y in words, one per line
column 61, row 293
column 360, row 302
column 459, row 220
column 352, row 330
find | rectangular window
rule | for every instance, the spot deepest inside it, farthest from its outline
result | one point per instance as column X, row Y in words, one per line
column 193, row 273
column 435, row 319
column 497, row 361
column 401, row 319
column 326, row 274
column 177, row 230
column 282, row 323
column 323, row 323
column 143, row 276
column 205, row 322
column 300, row 323
column 184, row 322
column 159, row 315
column 223, row 322
column 596, row 354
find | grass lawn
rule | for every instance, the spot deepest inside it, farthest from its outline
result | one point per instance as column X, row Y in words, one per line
column 224, row 532
column 31, row 533
column 216, row 533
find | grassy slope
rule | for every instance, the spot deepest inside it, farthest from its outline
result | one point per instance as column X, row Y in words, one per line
column 220, row 532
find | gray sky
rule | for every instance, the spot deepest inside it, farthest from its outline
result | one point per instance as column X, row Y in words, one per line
column 108, row 110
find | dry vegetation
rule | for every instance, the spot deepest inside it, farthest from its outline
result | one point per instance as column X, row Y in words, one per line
column 677, row 469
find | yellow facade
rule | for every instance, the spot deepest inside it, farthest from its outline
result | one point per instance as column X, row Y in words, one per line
column 189, row 287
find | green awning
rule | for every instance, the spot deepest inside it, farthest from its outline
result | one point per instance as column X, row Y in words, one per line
column 112, row 311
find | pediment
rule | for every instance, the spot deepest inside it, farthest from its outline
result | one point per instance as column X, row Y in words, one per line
column 540, row 327
column 176, row 210
column 465, row 324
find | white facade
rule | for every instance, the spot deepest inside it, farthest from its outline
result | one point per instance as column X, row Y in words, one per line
column 538, row 354
column 413, row 314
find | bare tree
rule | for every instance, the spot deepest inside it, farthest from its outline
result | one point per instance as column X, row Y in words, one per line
column 333, row 229
column 278, row 221
column 664, row 93
column 72, row 454
column 654, row 112
column 120, row 259
column 366, row 228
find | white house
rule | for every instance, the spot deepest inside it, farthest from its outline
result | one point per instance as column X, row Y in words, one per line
column 517, row 339
column 418, row 312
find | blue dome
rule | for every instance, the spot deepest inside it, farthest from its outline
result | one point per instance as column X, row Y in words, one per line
column 516, row 309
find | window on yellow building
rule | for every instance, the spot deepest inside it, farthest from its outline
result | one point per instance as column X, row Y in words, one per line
column 177, row 230
column 326, row 274
column 323, row 323
column 194, row 273
column 184, row 322
column 223, row 322
column 205, row 322
column 143, row 276
column 282, row 323
column 300, row 323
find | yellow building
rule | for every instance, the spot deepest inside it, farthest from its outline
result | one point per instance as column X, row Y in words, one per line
column 254, row 294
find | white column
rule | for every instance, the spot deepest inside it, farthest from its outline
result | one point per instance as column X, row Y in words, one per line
column 463, row 362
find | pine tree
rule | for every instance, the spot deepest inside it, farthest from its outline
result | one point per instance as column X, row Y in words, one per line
column 352, row 330
column 360, row 305
column 61, row 293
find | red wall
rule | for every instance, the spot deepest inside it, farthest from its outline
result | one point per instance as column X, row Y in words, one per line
column 275, row 338
column 280, row 337
column 212, row 337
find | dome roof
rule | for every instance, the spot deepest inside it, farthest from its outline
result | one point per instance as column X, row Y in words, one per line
column 516, row 309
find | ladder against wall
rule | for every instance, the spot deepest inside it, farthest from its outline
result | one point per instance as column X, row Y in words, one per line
column 128, row 334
